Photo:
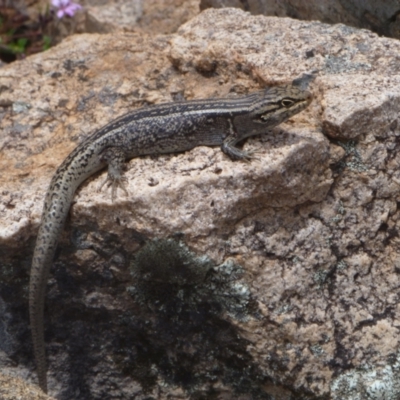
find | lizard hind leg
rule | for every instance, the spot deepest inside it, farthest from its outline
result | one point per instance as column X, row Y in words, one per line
column 115, row 158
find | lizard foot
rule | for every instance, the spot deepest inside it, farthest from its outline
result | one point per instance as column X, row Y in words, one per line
column 115, row 158
column 235, row 153
column 251, row 154
column 115, row 183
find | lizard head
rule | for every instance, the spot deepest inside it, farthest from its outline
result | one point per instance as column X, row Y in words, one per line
column 270, row 107
column 277, row 104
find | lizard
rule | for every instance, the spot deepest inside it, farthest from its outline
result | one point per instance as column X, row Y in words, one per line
column 151, row 130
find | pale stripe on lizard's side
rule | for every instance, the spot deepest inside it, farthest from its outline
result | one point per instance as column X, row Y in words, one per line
column 164, row 128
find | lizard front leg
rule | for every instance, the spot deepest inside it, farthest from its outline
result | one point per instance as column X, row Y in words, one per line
column 230, row 149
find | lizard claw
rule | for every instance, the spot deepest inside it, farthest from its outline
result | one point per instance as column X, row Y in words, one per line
column 237, row 154
column 252, row 154
column 114, row 182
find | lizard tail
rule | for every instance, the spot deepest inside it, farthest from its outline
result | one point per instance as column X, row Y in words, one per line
column 54, row 214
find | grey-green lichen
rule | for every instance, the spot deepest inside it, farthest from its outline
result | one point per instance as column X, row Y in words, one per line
column 344, row 63
column 369, row 383
column 341, row 265
column 321, row 277
column 340, row 213
column 353, row 157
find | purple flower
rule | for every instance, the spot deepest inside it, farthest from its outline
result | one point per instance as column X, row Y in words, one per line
column 65, row 7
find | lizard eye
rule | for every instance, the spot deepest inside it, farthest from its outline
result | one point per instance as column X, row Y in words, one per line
column 287, row 103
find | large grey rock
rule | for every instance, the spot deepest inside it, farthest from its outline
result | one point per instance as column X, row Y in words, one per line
column 298, row 250
column 382, row 17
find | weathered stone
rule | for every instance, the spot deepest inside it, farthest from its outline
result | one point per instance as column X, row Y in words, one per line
column 304, row 240
column 152, row 16
column 381, row 17
column 112, row 15
column 13, row 388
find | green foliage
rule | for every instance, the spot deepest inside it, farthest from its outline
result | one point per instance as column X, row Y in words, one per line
column 46, row 42
column 18, row 46
column 21, row 35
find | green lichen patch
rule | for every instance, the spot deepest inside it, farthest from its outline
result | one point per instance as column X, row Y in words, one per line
column 168, row 276
column 185, row 334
